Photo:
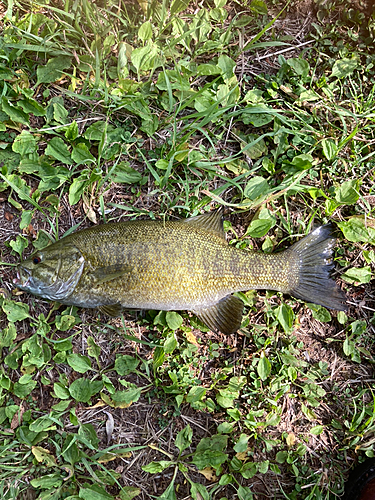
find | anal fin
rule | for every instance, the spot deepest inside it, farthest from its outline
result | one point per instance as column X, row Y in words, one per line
column 225, row 316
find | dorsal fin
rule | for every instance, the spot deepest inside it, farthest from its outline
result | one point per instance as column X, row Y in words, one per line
column 211, row 222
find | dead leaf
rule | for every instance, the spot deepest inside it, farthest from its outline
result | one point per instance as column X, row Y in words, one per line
column 209, row 474
column 190, row 337
column 109, row 426
column 108, row 457
column 17, row 418
column 9, row 217
column 242, row 456
column 31, row 230
column 43, row 455
column 291, row 439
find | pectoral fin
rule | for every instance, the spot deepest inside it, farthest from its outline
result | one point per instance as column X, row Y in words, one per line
column 113, row 310
column 109, row 273
column 225, row 316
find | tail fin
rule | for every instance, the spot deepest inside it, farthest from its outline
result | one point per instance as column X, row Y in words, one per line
column 315, row 256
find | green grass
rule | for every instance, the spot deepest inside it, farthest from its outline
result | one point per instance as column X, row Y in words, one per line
column 162, row 109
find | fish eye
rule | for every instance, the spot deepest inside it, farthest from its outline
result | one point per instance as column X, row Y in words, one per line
column 36, row 260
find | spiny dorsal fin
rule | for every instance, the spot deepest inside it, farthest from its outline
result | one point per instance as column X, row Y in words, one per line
column 113, row 310
column 225, row 316
column 211, row 222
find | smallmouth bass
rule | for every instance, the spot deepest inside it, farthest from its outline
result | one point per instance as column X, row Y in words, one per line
column 177, row 265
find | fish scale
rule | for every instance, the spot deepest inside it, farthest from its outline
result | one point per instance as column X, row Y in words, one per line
column 176, row 265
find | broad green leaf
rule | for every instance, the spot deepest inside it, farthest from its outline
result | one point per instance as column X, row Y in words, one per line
column 320, row 313
column 144, row 58
column 253, row 115
column 357, row 275
column 303, row 161
column 53, row 70
column 170, row 343
column 256, row 187
column 94, row 492
column 42, row 424
column 82, row 155
column 19, row 244
column 317, row 429
column 348, row 192
column 358, row 327
column 23, row 390
column 196, row 393
column 169, row 493
column 64, row 322
column 60, row 391
column 184, row 438
column 122, row 61
column 26, row 217
column 227, row 66
column 226, row 397
column 207, row 69
column 145, row 31
column 281, row 456
column 158, row 357
column 15, row 311
column 216, row 442
column 123, row 173
column 95, row 131
column 59, row 150
column 42, row 240
column 259, row 7
column 259, row 228
column 76, row 189
column 7, row 336
column 129, row 492
column 71, row 132
column 24, row 143
column 157, row 467
column 173, row 319
column 263, row 368
column 88, row 436
column 57, row 111
column 355, row 230
column 330, row 148
column 344, row 67
column 299, row 65
column 70, row 450
column 14, row 113
column 79, row 363
column 241, row 444
column 285, row 317
column 178, row 6
column 80, row 390
column 126, row 364
column 199, row 491
column 126, row 398
column 162, row 164
column 93, row 349
column 209, row 458
column 47, row 482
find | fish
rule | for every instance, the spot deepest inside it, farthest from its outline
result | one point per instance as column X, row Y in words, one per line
column 184, row 264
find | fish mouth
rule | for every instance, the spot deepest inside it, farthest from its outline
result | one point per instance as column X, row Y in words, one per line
column 23, row 278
